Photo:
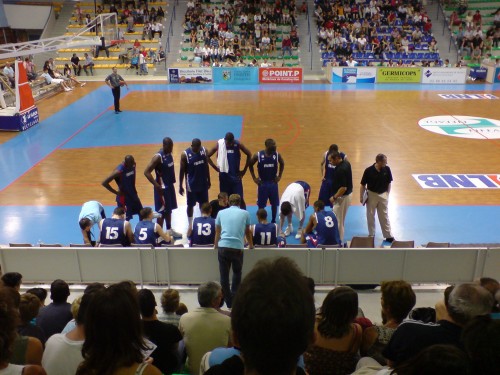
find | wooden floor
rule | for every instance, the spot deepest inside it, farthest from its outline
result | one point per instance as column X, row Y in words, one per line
column 304, row 123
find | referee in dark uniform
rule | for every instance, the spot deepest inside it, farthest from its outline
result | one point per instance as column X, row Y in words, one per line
column 114, row 80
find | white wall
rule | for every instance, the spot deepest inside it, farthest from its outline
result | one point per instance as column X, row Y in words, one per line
column 32, row 17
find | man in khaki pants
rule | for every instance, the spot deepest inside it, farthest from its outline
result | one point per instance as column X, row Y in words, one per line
column 374, row 192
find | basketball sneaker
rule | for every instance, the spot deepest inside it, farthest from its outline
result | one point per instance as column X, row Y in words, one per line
column 298, row 236
column 288, row 230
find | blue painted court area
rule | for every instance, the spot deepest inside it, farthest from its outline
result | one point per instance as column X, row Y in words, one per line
column 135, row 128
column 455, row 224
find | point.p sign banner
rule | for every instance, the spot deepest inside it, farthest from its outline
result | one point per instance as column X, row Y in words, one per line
column 280, row 75
column 462, row 126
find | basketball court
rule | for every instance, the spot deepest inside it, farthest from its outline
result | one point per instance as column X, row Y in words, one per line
column 445, row 166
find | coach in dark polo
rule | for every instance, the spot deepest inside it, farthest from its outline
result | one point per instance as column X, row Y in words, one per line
column 231, row 227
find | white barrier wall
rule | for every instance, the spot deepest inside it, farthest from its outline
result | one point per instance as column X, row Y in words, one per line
column 198, row 265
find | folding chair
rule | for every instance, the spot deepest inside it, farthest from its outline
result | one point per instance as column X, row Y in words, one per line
column 363, row 242
column 403, row 244
column 438, row 244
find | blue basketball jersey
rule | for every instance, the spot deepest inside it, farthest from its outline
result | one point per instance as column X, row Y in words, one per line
column 113, row 232
column 165, row 173
column 197, row 170
column 203, row 231
column 327, row 228
column 267, row 166
column 126, row 180
column 233, row 159
column 144, row 233
column 329, row 169
column 265, row 234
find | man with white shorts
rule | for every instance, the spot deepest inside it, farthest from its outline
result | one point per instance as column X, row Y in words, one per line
column 295, row 200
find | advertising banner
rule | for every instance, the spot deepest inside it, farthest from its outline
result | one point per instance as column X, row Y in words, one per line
column 497, row 75
column 21, row 121
column 444, row 75
column 190, row 75
column 399, row 75
column 353, row 75
column 458, row 181
column 280, row 75
column 232, row 76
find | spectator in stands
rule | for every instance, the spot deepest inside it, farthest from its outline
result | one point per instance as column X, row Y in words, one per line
column 279, row 285
column 165, row 336
column 160, row 56
column 28, row 311
column 481, row 339
column 63, row 352
column 8, row 322
column 116, row 230
column 447, row 64
column 294, row 37
column 205, row 328
column 286, row 46
column 30, row 69
column 362, row 43
column 351, row 62
column 468, row 19
column 397, row 300
column 337, row 337
column 89, row 63
column 147, row 31
column 56, row 81
column 143, row 65
column 466, row 301
column 157, row 28
column 416, row 36
column 70, row 77
column 52, row 318
column 75, row 63
column 114, row 315
column 8, row 71
column 436, row 359
column 160, row 12
column 476, row 56
column 170, row 301
column 40, row 293
column 130, row 23
column 12, row 280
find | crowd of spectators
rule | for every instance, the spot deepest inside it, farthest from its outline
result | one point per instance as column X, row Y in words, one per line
column 130, row 13
column 375, row 32
column 471, row 39
column 273, row 328
column 223, row 36
column 138, row 17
